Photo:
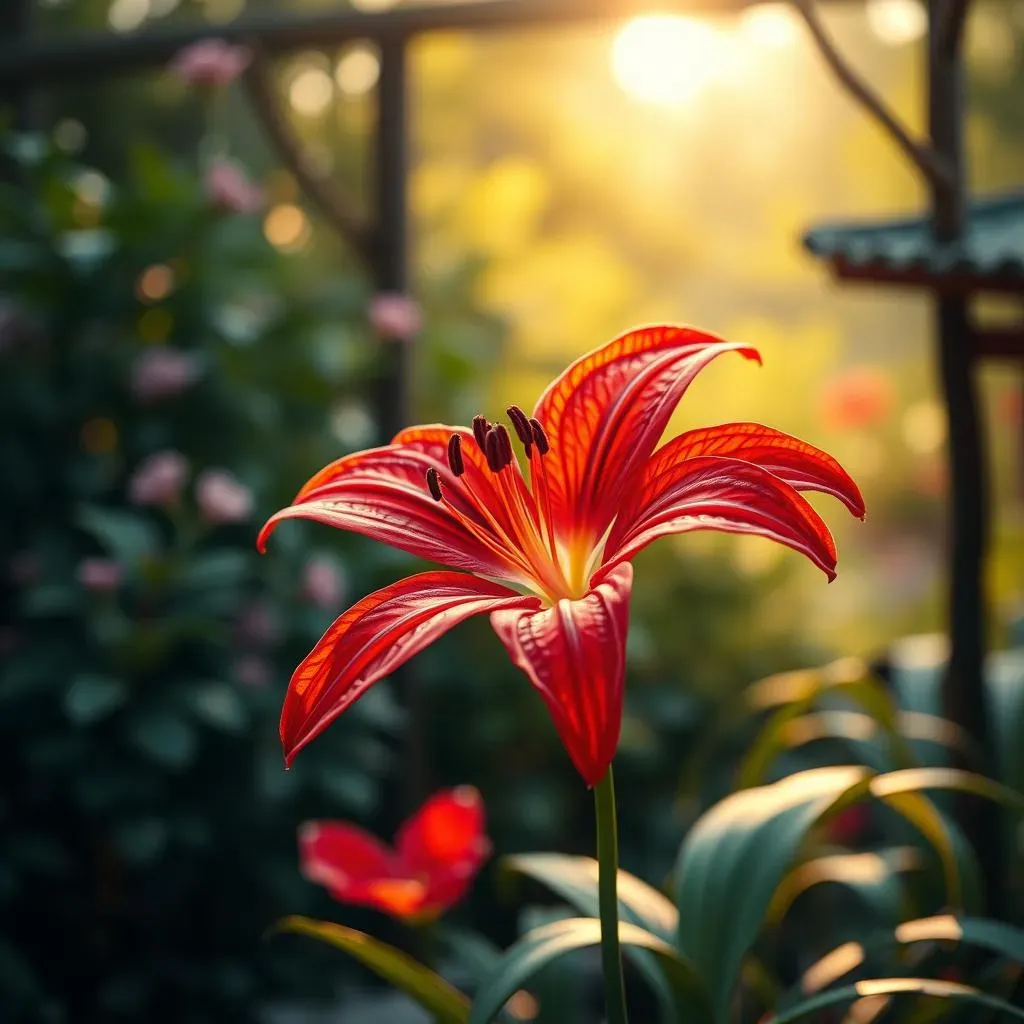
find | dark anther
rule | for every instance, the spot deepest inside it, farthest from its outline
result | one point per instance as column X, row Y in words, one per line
column 506, row 444
column 521, row 425
column 540, row 439
column 480, row 428
column 492, row 449
column 433, row 484
column 455, row 455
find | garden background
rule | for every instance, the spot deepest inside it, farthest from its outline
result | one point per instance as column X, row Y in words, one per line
column 558, row 194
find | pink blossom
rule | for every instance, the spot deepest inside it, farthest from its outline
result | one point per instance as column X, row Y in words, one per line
column 100, row 574
column 161, row 372
column 393, row 315
column 158, row 479
column 221, row 498
column 251, row 670
column 210, row 62
column 323, row 584
column 258, row 624
column 229, row 188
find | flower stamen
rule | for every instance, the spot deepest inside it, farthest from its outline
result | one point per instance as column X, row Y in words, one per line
column 434, row 484
column 458, row 467
column 480, row 429
column 521, row 425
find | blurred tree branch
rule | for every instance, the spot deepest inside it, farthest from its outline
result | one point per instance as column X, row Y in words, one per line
column 951, row 31
column 334, row 206
column 922, row 155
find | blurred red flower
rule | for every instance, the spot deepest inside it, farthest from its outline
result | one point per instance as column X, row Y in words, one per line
column 437, row 853
column 600, row 490
column 862, row 397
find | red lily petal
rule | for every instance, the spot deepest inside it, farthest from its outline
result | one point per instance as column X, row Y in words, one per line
column 711, row 493
column 575, row 653
column 606, row 413
column 382, row 494
column 357, row 868
column 798, row 463
column 445, row 843
column 342, row 857
column 374, row 637
column 448, row 828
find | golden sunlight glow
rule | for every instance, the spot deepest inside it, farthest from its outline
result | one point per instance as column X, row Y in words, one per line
column 897, row 22
column 772, row 26
column 358, row 70
column 669, row 59
column 311, row 91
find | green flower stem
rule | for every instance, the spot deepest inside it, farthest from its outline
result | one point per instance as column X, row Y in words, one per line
column 608, row 899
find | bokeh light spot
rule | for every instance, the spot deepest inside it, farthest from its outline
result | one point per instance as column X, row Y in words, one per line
column 127, row 15
column 522, row 1006
column 358, row 69
column 155, row 283
column 771, row 26
column 669, row 59
column 286, row 227
column 69, row 135
column 311, row 91
column 897, row 22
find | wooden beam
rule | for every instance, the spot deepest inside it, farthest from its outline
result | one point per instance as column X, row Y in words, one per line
column 999, row 342
column 963, row 282
column 104, row 55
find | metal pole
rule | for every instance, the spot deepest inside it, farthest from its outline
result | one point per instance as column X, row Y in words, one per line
column 389, row 258
column 390, row 271
column 963, row 693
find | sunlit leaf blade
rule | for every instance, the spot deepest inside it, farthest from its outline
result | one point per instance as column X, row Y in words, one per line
column 982, row 933
column 895, row 987
column 541, row 946
column 430, row 990
column 904, row 792
column 995, row 936
column 733, row 860
column 874, row 876
column 794, row 694
column 871, row 743
column 575, row 880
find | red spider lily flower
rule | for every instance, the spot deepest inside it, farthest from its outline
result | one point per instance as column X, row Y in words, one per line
column 600, row 490
column 438, row 852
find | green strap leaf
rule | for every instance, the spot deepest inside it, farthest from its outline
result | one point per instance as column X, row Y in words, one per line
column 887, row 987
column 874, row 876
column 733, row 859
column 541, row 946
column 994, row 936
column 575, row 880
column 430, row 990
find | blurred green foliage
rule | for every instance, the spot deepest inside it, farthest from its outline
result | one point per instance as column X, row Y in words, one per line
column 148, row 822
